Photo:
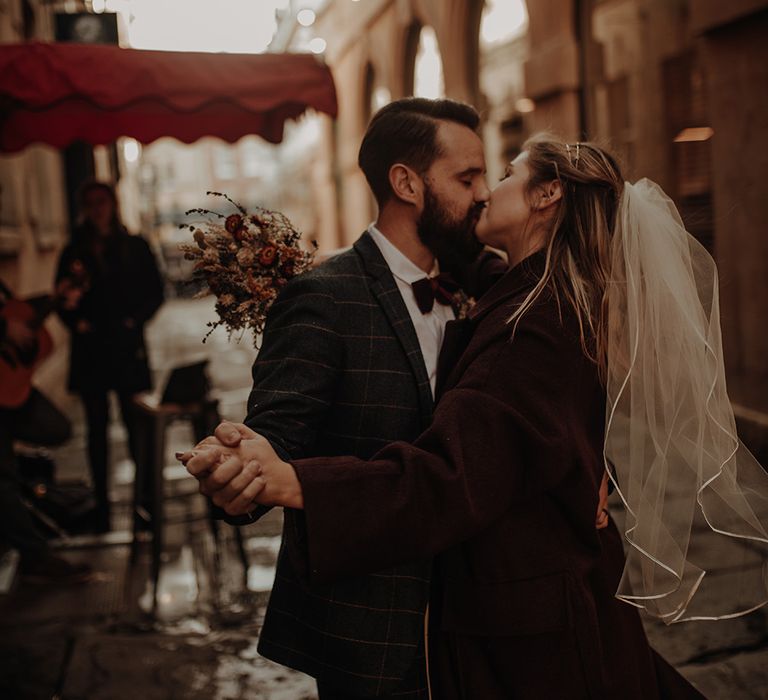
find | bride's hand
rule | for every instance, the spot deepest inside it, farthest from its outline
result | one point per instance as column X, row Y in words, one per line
column 602, row 507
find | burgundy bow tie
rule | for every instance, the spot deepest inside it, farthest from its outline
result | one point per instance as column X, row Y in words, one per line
column 429, row 290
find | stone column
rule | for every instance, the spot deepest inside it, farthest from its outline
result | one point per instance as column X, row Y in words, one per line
column 457, row 25
column 552, row 71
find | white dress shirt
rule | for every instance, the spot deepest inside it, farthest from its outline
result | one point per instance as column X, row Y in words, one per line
column 430, row 327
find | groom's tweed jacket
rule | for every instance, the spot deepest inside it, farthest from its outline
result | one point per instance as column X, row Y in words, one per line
column 340, row 372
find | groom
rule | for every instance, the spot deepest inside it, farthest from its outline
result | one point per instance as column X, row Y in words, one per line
column 348, row 364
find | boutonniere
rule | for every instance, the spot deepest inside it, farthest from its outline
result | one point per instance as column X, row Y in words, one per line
column 462, row 304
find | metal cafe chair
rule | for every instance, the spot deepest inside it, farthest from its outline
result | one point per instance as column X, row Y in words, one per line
column 187, row 397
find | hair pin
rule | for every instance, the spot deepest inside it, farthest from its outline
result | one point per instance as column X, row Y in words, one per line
column 573, row 161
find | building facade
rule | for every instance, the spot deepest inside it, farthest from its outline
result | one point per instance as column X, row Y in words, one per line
column 676, row 87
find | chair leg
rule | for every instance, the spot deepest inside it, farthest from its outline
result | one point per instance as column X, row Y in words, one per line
column 243, row 554
column 139, row 481
column 213, row 524
column 157, row 505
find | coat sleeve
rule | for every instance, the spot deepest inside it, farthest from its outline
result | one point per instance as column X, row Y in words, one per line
column 297, row 368
column 498, row 438
column 296, row 371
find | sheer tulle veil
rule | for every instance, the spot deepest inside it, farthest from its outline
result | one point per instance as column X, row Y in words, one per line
column 696, row 499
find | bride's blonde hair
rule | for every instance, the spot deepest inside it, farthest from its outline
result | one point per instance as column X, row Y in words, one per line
column 578, row 250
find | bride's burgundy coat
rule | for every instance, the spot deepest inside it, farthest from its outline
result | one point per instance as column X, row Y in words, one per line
column 503, row 489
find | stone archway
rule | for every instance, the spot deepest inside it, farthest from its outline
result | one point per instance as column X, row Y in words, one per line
column 415, row 50
column 456, row 24
column 459, row 29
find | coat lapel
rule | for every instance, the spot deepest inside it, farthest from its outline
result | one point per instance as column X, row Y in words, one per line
column 384, row 288
column 458, row 334
column 521, row 278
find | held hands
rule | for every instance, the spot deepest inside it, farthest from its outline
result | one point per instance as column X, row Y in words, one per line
column 238, row 469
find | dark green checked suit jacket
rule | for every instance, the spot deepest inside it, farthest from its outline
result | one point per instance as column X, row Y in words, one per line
column 340, row 372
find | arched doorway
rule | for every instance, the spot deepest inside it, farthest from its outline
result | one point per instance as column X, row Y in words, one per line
column 423, row 63
column 428, row 78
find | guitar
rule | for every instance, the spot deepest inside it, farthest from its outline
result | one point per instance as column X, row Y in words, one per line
column 18, row 364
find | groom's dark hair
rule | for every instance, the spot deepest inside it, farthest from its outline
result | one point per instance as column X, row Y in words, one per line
column 405, row 131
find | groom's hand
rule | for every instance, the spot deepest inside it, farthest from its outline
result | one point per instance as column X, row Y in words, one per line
column 209, row 451
column 264, row 479
column 230, row 434
column 236, row 478
column 227, row 476
column 227, row 434
column 218, row 454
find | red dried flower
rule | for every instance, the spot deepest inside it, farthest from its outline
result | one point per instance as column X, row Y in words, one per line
column 268, row 255
column 240, row 234
column 253, row 284
column 233, row 222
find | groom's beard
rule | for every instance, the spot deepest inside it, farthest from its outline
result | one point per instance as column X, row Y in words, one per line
column 452, row 241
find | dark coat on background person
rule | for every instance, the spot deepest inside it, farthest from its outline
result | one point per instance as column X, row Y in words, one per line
column 124, row 290
column 503, row 488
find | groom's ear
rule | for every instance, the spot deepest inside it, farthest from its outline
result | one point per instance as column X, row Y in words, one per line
column 406, row 185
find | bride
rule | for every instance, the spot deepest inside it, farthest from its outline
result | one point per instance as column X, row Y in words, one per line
column 599, row 349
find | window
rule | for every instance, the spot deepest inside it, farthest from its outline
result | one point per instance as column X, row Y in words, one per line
column 224, row 162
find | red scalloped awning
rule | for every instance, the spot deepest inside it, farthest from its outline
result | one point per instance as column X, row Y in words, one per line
column 58, row 93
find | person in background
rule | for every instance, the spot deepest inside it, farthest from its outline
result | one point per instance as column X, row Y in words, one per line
column 108, row 351
column 39, row 422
